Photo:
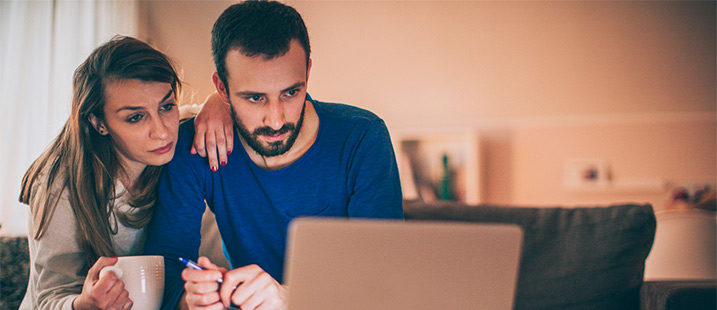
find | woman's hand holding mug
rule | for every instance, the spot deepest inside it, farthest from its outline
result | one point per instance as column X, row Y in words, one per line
column 102, row 290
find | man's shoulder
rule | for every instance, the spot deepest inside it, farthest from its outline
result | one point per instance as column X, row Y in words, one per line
column 352, row 125
column 184, row 141
column 346, row 115
column 186, row 130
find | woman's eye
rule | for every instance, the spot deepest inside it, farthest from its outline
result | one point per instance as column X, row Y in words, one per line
column 168, row 107
column 135, row 118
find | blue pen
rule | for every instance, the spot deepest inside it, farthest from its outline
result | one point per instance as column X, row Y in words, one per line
column 191, row 264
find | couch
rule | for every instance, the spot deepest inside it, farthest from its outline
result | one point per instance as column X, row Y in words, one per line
column 572, row 258
column 581, row 258
column 14, row 271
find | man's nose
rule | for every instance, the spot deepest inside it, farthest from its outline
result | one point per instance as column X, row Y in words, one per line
column 275, row 116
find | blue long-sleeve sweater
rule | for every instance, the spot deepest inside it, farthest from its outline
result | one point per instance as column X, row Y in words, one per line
column 349, row 171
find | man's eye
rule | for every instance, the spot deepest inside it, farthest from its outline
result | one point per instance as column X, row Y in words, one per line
column 255, row 98
column 168, row 107
column 292, row 92
column 135, row 118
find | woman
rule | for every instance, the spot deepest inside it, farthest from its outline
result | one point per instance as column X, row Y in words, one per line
column 92, row 191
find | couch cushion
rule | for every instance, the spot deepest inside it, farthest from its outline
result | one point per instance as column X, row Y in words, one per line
column 14, row 270
column 572, row 258
column 679, row 295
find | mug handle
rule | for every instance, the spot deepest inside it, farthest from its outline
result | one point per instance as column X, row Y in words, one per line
column 117, row 271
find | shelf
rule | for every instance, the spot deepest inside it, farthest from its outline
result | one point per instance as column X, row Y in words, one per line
column 420, row 158
column 625, row 186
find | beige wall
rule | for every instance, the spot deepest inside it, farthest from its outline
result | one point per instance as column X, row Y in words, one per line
column 630, row 83
column 642, row 155
column 182, row 29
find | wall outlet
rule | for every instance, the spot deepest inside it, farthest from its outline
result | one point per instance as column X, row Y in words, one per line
column 585, row 173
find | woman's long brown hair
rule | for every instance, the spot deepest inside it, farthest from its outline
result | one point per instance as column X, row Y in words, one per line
column 84, row 163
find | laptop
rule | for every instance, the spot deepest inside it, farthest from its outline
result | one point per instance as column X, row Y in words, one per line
column 362, row 264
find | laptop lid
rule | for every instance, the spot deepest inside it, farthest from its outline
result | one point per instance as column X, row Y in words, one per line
column 391, row 264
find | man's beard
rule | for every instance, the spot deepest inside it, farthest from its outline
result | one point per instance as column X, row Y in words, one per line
column 275, row 148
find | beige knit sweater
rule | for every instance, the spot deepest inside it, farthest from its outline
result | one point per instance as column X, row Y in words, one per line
column 57, row 265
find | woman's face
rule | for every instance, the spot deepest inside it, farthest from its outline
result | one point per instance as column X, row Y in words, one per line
column 143, row 120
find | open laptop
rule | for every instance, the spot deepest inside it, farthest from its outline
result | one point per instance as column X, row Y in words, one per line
column 383, row 264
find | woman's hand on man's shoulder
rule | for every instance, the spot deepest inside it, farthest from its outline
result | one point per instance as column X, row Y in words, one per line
column 214, row 132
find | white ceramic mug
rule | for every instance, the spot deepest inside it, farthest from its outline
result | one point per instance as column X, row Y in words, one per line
column 143, row 278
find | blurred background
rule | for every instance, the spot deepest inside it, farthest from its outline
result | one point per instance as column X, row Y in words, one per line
column 539, row 103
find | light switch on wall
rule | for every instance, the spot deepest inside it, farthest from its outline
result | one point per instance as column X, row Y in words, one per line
column 586, row 173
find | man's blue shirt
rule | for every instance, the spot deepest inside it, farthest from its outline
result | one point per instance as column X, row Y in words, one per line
column 349, row 171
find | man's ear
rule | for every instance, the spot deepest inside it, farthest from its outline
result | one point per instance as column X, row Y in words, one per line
column 98, row 124
column 221, row 88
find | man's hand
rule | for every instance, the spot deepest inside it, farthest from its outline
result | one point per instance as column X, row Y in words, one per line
column 214, row 132
column 201, row 287
column 252, row 288
column 102, row 293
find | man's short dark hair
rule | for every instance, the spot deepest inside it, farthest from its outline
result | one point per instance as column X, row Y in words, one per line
column 257, row 28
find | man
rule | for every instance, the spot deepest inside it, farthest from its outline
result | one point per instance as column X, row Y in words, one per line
column 298, row 157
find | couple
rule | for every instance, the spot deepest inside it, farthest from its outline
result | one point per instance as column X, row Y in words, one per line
column 121, row 179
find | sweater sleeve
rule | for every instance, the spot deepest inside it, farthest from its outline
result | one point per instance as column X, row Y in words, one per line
column 375, row 188
column 57, row 271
